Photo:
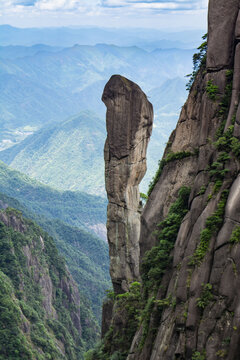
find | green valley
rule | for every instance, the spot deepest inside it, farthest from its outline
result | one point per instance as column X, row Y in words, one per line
column 68, row 155
column 74, row 208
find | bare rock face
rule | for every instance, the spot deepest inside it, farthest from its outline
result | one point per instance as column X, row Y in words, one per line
column 222, row 19
column 191, row 278
column 129, row 126
column 203, row 319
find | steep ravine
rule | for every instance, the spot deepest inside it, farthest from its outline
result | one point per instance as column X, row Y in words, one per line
column 186, row 302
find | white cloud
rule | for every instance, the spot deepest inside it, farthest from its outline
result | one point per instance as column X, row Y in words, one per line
column 158, row 4
column 52, row 5
column 56, row 4
column 140, row 13
column 163, row 6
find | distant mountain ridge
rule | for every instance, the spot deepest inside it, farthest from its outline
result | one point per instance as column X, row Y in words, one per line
column 14, row 52
column 46, row 87
column 68, row 36
column 54, row 85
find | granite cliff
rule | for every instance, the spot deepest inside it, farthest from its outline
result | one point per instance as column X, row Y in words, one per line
column 129, row 126
column 185, row 303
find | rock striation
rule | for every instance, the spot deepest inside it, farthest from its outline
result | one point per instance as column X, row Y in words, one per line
column 202, row 320
column 129, row 126
column 190, row 310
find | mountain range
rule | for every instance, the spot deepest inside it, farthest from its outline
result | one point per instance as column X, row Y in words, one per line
column 52, row 85
column 148, row 39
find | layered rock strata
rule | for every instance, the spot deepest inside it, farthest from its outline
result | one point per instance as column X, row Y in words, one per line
column 129, row 126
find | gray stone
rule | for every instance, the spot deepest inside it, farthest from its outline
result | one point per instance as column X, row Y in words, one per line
column 129, row 126
column 204, row 318
column 222, row 17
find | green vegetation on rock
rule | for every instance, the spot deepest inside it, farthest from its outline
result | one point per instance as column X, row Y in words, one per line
column 206, row 296
column 235, row 236
column 117, row 340
column 199, row 62
column 197, row 355
column 211, row 90
column 158, row 259
column 213, row 224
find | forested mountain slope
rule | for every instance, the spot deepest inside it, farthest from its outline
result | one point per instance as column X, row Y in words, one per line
column 40, row 304
column 67, row 156
column 74, row 208
column 86, row 257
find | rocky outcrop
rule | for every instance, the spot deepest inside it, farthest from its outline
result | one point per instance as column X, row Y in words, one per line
column 202, row 321
column 190, row 304
column 129, row 126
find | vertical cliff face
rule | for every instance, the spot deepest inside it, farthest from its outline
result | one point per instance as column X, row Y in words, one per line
column 129, row 126
column 197, row 304
column 190, row 227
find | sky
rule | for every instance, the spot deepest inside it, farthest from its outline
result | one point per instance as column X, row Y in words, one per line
column 159, row 14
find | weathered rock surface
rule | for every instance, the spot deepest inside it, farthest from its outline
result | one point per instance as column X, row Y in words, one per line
column 129, row 126
column 195, row 310
column 191, row 329
column 222, row 17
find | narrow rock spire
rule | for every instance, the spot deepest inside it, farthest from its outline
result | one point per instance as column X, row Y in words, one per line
column 129, row 127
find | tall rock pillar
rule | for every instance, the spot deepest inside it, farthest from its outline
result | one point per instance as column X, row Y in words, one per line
column 129, row 126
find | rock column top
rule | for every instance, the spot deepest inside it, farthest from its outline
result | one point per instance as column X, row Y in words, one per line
column 128, row 112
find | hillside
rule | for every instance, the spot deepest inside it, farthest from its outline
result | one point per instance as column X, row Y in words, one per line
column 67, row 156
column 40, row 305
column 86, row 255
column 74, row 208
